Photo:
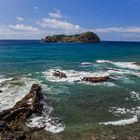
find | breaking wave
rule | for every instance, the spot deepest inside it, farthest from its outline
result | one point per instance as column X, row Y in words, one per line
column 129, row 65
column 46, row 120
column 122, row 122
column 12, row 90
column 73, row 76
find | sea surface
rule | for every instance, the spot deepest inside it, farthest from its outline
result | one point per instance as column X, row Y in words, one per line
column 73, row 105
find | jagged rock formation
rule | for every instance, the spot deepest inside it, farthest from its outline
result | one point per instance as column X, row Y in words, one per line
column 12, row 121
column 137, row 64
column 59, row 74
column 96, row 79
column 88, row 37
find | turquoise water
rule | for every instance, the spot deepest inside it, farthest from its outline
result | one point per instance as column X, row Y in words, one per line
column 23, row 63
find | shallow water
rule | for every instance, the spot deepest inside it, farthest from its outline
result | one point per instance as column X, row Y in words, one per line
column 83, row 104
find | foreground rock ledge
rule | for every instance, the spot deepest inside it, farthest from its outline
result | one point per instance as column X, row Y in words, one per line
column 12, row 121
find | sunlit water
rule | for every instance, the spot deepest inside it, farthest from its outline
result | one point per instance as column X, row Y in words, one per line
column 82, row 104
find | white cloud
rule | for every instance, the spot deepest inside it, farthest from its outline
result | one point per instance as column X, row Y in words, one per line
column 3, row 29
column 55, row 23
column 36, row 9
column 58, row 24
column 24, row 28
column 127, row 29
column 20, row 19
column 19, row 32
column 56, row 14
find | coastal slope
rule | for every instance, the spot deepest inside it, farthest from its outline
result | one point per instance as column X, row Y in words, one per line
column 88, row 37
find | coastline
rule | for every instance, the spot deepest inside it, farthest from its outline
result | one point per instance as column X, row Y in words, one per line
column 101, row 132
column 93, row 84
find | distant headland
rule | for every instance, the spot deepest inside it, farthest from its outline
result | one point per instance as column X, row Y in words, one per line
column 87, row 37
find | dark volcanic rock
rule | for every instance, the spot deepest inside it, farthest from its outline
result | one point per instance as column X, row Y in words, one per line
column 13, row 120
column 59, row 74
column 1, row 91
column 96, row 79
column 137, row 64
column 88, row 37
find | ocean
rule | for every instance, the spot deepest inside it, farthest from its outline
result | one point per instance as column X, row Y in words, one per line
column 73, row 105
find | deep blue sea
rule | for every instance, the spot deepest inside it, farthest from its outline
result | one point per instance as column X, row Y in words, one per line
column 73, row 105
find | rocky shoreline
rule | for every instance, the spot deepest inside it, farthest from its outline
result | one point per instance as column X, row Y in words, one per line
column 13, row 124
column 12, row 121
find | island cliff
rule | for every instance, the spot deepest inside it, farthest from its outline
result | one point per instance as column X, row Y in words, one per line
column 88, row 37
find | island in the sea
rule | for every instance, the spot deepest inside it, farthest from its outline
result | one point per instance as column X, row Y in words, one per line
column 88, row 37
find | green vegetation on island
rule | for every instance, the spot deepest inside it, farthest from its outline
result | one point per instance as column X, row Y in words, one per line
column 88, row 37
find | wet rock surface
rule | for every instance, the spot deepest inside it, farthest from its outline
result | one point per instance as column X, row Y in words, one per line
column 12, row 121
column 96, row 79
column 59, row 74
column 13, row 127
column 137, row 64
column 1, row 91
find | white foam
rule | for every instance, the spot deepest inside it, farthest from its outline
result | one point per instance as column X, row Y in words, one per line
column 122, row 122
column 73, row 76
column 125, row 68
column 86, row 63
column 3, row 79
column 46, row 121
column 118, row 111
column 13, row 91
column 129, row 65
column 106, row 84
column 135, row 95
column 103, row 61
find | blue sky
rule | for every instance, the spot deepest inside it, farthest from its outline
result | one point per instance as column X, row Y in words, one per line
column 34, row 19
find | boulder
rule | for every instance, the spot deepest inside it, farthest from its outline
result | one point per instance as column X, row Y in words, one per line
column 59, row 74
column 1, row 91
column 13, row 121
column 137, row 64
column 96, row 79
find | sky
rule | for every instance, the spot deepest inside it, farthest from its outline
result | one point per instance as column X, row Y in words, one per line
column 114, row 20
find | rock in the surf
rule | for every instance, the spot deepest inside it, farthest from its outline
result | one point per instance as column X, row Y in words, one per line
column 1, row 91
column 59, row 74
column 12, row 121
column 96, row 79
column 137, row 64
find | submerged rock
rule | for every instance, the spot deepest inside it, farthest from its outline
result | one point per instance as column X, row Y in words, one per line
column 59, row 74
column 137, row 64
column 1, row 91
column 96, row 79
column 88, row 37
column 12, row 121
